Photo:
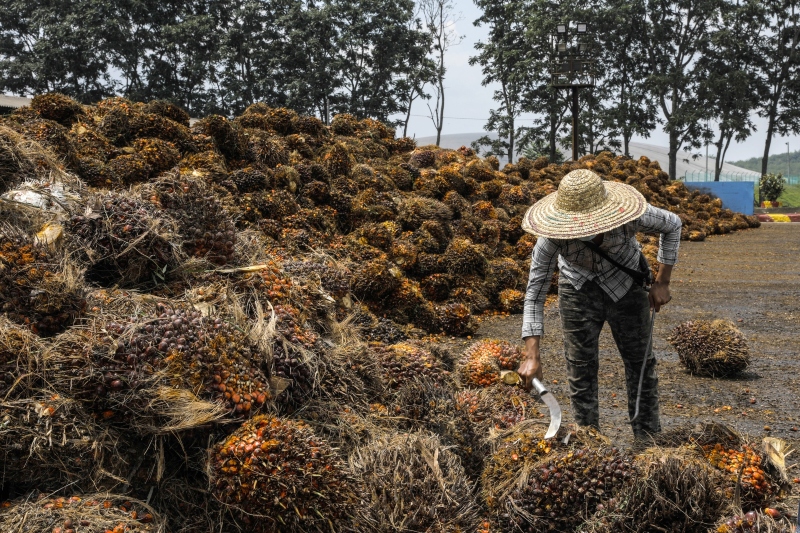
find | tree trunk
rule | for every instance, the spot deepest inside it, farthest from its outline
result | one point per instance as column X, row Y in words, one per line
column 717, row 161
column 592, row 149
column 626, row 136
column 408, row 114
column 626, row 140
column 441, row 112
column 673, row 153
column 551, row 137
column 727, row 145
column 511, row 142
column 768, row 142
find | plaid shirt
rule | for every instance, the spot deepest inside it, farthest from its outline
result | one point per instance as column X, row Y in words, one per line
column 577, row 263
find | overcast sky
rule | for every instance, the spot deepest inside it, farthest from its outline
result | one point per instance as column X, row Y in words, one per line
column 467, row 102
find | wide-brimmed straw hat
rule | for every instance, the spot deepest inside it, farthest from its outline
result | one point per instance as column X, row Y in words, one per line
column 584, row 205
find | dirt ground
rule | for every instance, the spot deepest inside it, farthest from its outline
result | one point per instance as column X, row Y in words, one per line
column 751, row 278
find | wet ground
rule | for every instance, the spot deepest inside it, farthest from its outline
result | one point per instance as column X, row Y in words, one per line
column 751, row 278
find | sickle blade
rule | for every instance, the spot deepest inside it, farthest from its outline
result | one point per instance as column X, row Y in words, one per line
column 552, row 404
column 555, row 414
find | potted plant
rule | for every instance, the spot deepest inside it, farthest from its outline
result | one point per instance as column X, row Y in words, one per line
column 771, row 188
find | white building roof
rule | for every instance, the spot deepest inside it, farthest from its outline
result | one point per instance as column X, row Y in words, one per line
column 13, row 102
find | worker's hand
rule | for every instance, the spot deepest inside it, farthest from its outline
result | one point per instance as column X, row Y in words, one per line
column 659, row 295
column 531, row 367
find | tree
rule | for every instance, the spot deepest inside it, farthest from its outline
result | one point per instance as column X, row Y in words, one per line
column 731, row 85
column 250, row 66
column 548, row 104
column 132, row 27
column 180, row 66
column 372, row 46
column 504, row 59
column 55, row 45
column 622, row 64
column 677, row 37
column 420, row 71
column 779, row 49
column 440, row 17
column 310, row 60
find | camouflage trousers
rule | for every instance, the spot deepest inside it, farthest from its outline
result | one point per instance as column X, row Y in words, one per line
column 583, row 313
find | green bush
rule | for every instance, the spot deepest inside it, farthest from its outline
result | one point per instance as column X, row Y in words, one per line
column 772, row 186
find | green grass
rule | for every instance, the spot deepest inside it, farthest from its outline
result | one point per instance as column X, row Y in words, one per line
column 791, row 196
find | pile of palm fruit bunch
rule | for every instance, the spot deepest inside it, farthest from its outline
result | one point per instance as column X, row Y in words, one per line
column 710, row 348
column 430, row 237
column 225, row 326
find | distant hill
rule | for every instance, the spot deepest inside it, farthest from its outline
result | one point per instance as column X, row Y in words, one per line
column 776, row 165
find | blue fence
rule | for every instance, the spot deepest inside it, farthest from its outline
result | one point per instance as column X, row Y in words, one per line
column 737, row 196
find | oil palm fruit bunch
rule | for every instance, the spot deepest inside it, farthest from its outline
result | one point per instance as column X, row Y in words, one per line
column 483, row 362
column 249, row 179
column 374, row 279
column 511, row 300
column 518, row 451
column 78, row 514
column 57, row 107
column 675, row 490
column 422, row 158
column 32, row 459
column 565, row 490
column 160, row 155
column 423, row 403
column 215, row 357
column 120, row 360
column 409, row 306
column 20, row 359
column 429, row 490
column 337, row 161
column 769, row 521
column 463, row 257
column 405, row 361
column 455, row 318
column 51, row 135
column 227, row 135
column 290, row 365
column 499, row 407
column 272, row 465
column 208, row 228
column 710, row 348
column 755, row 482
column 37, row 288
column 334, row 278
column 479, row 412
column 124, row 240
column 167, row 109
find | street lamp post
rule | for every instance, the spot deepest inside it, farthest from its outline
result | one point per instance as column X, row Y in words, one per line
column 788, row 168
column 573, row 68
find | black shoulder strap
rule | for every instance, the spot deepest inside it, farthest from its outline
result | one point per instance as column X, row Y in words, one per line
column 638, row 277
